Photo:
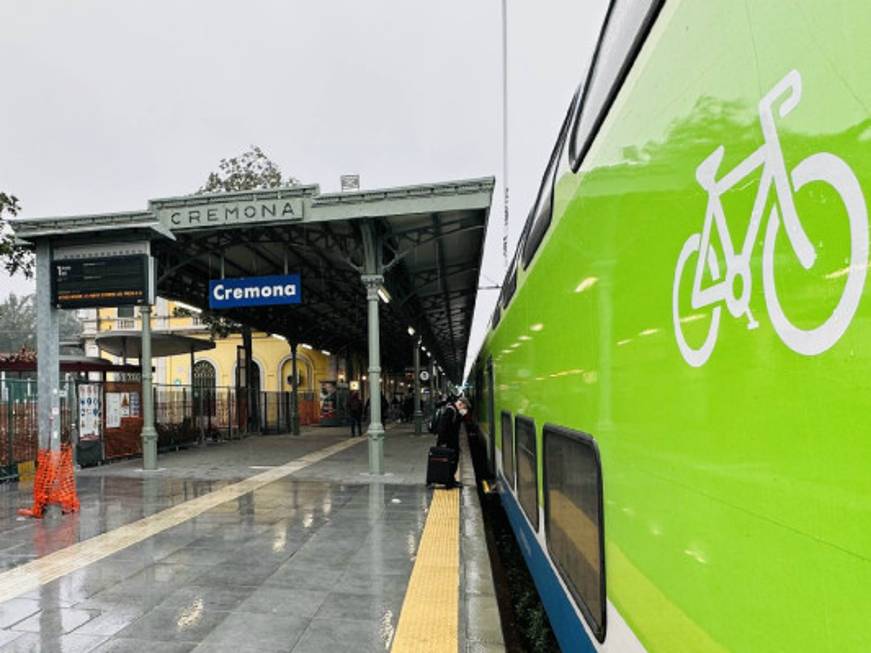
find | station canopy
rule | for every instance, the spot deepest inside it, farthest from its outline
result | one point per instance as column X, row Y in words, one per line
column 427, row 240
column 128, row 344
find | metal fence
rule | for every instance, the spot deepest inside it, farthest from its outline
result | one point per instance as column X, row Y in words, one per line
column 184, row 415
column 274, row 409
column 189, row 412
column 19, row 423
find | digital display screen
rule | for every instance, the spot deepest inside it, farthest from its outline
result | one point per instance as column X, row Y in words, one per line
column 99, row 282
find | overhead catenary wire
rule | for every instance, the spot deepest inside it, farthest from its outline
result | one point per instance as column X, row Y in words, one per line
column 505, row 225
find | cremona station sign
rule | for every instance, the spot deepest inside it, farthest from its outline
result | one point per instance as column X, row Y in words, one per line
column 255, row 291
column 233, row 213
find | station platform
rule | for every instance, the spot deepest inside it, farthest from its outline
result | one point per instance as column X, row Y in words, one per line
column 271, row 543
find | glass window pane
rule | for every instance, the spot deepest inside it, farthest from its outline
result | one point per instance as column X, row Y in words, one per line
column 527, row 468
column 509, row 285
column 542, row 211
column 574, row 519
column 508, row 449
column 624, row 30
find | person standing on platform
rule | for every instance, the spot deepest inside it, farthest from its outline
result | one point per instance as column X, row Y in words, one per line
column 408, row 407
column 448, row 431
column 355, row 409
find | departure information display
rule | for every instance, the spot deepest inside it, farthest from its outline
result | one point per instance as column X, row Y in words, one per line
column 105, row 281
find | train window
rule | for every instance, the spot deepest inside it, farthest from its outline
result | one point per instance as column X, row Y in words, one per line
column 491, row 417
column 509, row 285
column 527, row 468
column 623, row 32
column 497, row 315
column 542, row 211
column 574, row 519
column 508, row 449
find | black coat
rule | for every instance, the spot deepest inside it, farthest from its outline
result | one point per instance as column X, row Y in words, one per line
column 448, row 428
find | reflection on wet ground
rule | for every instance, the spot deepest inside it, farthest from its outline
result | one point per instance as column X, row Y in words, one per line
column 302, row 564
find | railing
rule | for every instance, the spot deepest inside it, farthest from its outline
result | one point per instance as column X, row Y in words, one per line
column 188, row 413
column 19, row 424
column 275, row 410
column 184, row 416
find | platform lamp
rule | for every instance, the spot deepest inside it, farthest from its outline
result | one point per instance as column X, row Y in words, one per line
column 418, row 413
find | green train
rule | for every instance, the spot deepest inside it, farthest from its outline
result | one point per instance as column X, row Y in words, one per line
column 675, row 388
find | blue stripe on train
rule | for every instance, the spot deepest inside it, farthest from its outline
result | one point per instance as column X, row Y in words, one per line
column 564, row 620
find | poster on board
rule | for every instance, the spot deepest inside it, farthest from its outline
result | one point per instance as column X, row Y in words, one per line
column 134, row 404
column 113, row 410
column 90, row 411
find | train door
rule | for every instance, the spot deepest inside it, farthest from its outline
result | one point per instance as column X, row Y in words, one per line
column 491, row 418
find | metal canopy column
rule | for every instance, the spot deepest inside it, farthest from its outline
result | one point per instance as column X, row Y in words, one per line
column 47, row 347
column 373, row 279
column 294, row 397
column 196, row 402
column 250, row 395
column 149, row 434
column 418, row 415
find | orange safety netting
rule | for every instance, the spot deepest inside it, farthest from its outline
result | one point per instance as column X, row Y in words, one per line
column 54, row 482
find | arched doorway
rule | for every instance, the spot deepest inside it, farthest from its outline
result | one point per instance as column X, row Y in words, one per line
column 304, row 374
column 204, row 390
column 255, row 376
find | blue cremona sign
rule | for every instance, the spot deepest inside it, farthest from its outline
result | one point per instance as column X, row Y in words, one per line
column 255, row 291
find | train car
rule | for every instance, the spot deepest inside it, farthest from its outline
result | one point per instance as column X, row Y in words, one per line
column 676, row 383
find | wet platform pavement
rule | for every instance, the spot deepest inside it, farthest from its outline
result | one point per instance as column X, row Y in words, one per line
column 316, row 557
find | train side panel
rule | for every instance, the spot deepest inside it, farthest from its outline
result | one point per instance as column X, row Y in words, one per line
column 736, row 486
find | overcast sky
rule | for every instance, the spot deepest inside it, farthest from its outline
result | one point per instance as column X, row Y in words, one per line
column 107, row 104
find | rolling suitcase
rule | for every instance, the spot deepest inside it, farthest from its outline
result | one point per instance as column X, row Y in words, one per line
column 439, row 466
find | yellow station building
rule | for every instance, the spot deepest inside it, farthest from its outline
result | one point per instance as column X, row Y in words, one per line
column 271, row 354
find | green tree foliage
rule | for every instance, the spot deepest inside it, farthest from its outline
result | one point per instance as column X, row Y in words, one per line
column 12, row 256
column 18, row 324
column 250, row 170
column 219, row 326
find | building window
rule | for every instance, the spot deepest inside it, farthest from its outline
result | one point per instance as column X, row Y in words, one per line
column 125, row 311
column 574, row 519
column 527, row 468
column 508, row 449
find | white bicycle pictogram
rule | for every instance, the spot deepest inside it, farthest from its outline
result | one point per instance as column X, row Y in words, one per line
column 819, row 167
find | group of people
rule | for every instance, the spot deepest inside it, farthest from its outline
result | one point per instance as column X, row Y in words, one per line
column 449, row 414
column 456, row 409
column 399, row 411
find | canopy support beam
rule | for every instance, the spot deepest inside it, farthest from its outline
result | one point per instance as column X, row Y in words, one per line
column 48, row 346
column 418, row 415
column 294, row 397
column 149, row 433
column 373, row 279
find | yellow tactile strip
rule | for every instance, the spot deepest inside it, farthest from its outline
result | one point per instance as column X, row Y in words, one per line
column 32, row 575
column 430, row 613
